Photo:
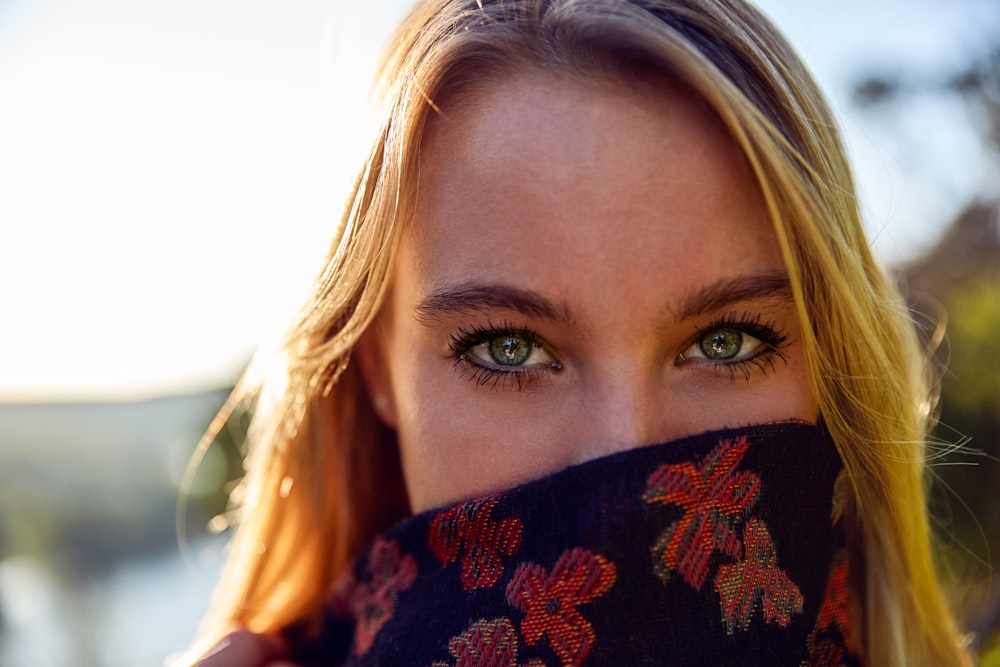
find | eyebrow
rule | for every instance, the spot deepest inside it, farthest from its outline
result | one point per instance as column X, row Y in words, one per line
column 467, row 298
column 727, row 291
column 475, row 297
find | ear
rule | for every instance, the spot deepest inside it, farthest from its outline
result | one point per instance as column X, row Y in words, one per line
column 371, row 358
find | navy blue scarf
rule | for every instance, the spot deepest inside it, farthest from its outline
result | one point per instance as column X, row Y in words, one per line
column 717, row 549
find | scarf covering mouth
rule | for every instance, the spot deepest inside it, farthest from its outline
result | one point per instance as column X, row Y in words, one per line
column 718, row 549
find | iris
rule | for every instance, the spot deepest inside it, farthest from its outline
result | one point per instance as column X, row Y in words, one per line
column 509, row 350
column 721, row 344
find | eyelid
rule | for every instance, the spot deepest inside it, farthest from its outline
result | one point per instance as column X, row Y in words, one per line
column 536, row 346
column 480, row 371
column 773, row 342
column 749, row 323
column 465, row 338
column 696, row 345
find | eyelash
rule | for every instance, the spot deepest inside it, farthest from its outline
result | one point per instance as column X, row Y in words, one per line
column 772, row 338
column 773, row 341
column 463, row 340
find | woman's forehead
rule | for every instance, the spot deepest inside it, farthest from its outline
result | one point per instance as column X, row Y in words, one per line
column 458, row 102
column 543, row 179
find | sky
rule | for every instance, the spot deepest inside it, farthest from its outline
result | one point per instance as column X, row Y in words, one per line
column 171, row 170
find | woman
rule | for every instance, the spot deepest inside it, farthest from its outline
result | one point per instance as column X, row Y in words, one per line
column 589, row 226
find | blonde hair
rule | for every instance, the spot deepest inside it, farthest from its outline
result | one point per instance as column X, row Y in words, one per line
column 323, row 473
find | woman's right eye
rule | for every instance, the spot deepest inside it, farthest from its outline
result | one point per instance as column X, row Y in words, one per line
column 510, row 350
column 500, row 357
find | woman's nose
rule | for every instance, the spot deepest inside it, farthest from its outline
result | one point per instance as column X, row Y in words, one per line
column 623, row 411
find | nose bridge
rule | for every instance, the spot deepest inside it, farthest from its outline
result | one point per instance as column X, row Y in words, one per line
column 625, row 407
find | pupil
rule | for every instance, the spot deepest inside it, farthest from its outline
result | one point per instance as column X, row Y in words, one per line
column 509, row 350
column 722, row 344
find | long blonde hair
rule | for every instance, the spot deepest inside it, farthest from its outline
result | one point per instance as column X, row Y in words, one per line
column 323, row 473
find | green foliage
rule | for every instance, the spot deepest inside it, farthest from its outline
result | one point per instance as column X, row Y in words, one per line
column 990, row 656
column 968, row 478
column 972, row 387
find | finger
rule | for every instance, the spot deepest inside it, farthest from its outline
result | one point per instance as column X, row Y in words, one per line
column 242, row 648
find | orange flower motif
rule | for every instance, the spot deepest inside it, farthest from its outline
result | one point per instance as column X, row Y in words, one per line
column 550, row 601
column 756, row 579
column 834, row 618
column 484, row 644
column 374, row 601
column 714, row 496
column 470, row 528
column 487, row 644
column 826, row 654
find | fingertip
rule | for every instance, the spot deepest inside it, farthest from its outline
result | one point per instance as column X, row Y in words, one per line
column 242, row 648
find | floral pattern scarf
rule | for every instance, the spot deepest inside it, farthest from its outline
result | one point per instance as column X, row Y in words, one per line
column 718, row 549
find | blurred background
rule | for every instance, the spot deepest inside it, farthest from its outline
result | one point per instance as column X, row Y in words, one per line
column 170, row 172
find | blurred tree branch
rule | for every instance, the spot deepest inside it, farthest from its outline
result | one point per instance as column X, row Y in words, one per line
column 978, row 84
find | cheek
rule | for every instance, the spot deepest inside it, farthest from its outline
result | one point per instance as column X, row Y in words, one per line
column 793, row 392
column 787, row 395
column 802, row 399
column 447, row 454
column 457, row 445
column 445, row 441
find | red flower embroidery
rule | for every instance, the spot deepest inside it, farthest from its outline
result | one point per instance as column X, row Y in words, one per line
column 550, row 601
column 714, row 496
column 487, row 644
column 483, row 541
column 373, row 602
column 826, row 654
column 484, row 644
column 756, row 579
column 834, row 618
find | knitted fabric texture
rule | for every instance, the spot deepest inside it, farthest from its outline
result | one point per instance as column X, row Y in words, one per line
column 717, row 549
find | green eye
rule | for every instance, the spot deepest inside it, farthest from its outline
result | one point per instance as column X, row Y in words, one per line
column 509, row 350
column 738, row 344
column 721, row 344
column 500, row 357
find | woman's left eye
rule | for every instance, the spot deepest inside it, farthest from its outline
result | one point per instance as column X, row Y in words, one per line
column 725, row 344
column 738, row 342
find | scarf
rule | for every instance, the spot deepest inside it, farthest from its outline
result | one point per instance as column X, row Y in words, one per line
column 717, row 549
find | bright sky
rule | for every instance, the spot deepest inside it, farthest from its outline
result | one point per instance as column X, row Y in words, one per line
column 170, row 170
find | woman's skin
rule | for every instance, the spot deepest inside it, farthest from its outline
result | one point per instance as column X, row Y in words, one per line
column 596, row 236
column 589, row 269
column 245, row 649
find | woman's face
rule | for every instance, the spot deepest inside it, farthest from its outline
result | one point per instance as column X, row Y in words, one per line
column 589, row 269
